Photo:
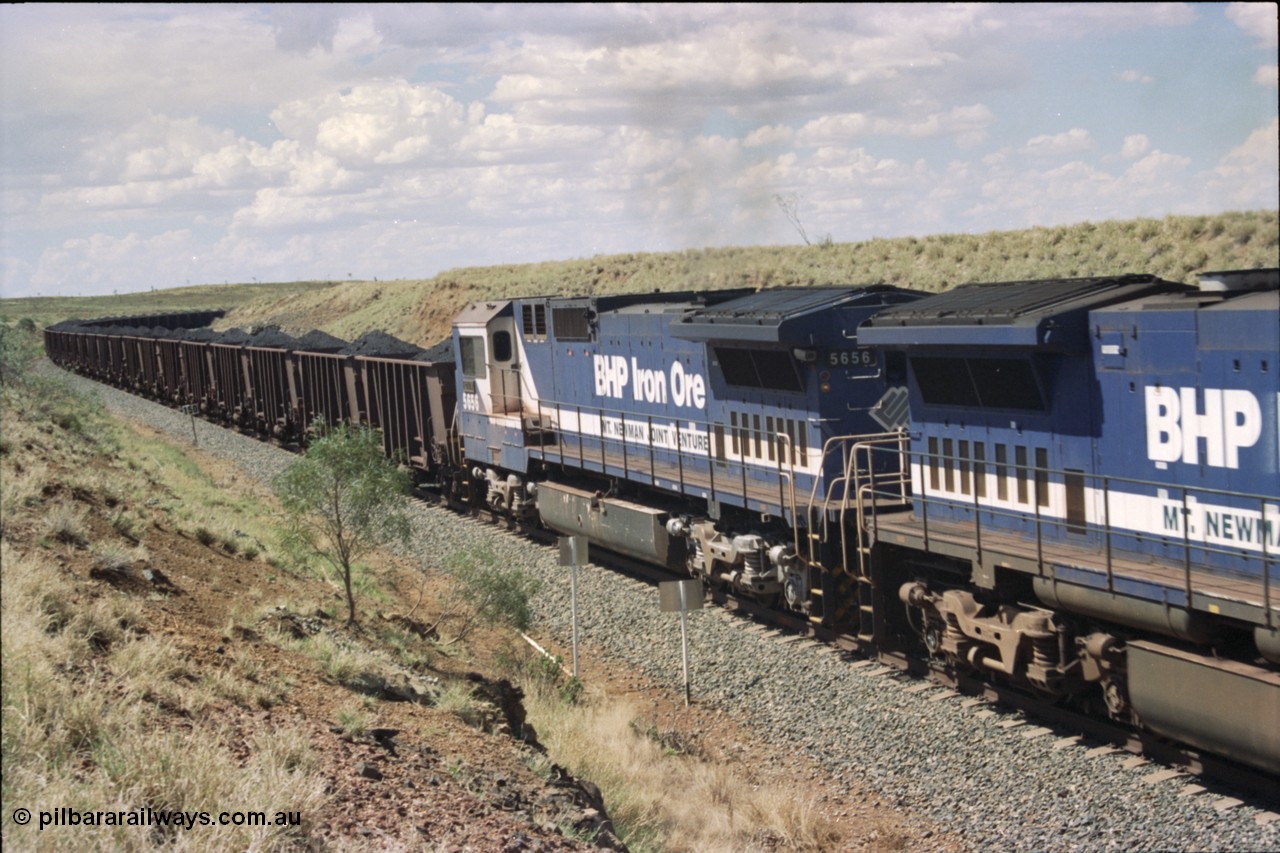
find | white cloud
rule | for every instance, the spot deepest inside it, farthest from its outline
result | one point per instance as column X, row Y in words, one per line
column 759, row 62
column 1072, row 141
column 774, row 134
column 636, row 153
column 157, row 166
column 308, row 141
column 1267, row 75
column 1156, row 171
column 968, row 125
column 1249, row 175
column 1256, row 19
column 386, row 123
column 1078, row 20
column 1135, row 145
column 79, row 61
column 100, row 261
column 833, row 129
column 501, row 137
column 16, row 278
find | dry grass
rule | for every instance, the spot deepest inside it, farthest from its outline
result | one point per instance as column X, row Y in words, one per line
column 19, row 490
column 214, row 513
column 420, row 311
column 353, row 721
column 665, row 801
column 244, row 682
column 96, row 486
column 342, row 660
column 99, row 713
column 85, row 697
column 65, row 523
column 113, row 558
column 457, row 699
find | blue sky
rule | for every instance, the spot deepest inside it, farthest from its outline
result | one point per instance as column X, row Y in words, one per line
column 156, row 146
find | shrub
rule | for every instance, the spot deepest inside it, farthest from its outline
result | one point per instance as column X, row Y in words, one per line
column 66, row 524
column 353, row 721
column 18, row 350
column 112, row 559
column 457, row 700
column 487, row 592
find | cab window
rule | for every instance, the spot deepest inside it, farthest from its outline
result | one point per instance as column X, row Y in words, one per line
column 472, row 351
column 502, row 346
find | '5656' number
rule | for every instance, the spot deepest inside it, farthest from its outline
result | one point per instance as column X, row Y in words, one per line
column 851, row 358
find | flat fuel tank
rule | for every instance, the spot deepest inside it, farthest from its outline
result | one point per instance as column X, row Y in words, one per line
column 1222, row 706
column 617, row 525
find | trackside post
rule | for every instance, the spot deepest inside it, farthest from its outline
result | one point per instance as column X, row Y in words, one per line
column 573, row 552
column 683, row 596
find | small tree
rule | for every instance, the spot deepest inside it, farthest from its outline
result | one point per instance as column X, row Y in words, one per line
column 342, row 500
column 487, row 591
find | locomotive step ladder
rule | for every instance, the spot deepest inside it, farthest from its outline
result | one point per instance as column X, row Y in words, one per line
column 864, row 491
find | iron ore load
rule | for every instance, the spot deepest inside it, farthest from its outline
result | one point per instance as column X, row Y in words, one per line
column 1065, row 488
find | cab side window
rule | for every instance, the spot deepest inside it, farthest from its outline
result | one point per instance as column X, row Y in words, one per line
column 502, row 346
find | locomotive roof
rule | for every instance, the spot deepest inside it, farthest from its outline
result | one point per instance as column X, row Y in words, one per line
column 779, row 315
column 480, row 313
column 1201, row 300
column 1241, row 318
column 1050, row 314
column 652, row 302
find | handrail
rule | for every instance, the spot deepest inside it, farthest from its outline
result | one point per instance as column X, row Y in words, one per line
column 784, row 448
column 869, row 446
column 849, row 447
column 783, row 445
column 1266, row 568
column 787, row 456
column 863, row 516
column 1259, row 552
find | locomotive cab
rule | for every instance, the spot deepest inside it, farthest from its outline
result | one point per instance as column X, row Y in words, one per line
column 492, row 418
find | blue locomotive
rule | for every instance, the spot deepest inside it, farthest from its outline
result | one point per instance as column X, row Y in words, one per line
column 1093, row 468
column 713, row 431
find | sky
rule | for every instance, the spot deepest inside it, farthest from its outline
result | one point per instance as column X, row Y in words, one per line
column 154, row 146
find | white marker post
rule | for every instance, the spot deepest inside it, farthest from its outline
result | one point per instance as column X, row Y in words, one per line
column 683, row 596
column 573, row 551
column 191, row 409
